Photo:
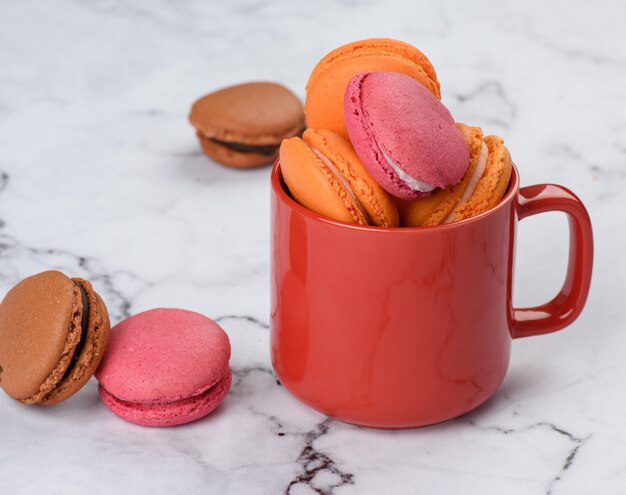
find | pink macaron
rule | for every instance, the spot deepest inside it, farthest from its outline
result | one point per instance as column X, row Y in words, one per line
column 403, row 134
column 165, row 367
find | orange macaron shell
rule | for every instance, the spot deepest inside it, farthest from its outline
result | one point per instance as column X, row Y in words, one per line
column 324, row 174
column 494, row 182
column 314, row 186
column 376, row 202
column 435, row 208
column 329, row 79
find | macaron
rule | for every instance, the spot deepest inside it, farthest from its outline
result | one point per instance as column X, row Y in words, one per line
column 324, row 174
column 165, row 367
column 242, row 126
column 435, row 208
column 53, row 332
column 327, row 83
column 492, row 185
column 405, row 136
column 483, row 185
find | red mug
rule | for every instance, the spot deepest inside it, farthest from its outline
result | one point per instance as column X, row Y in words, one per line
column 406, row 327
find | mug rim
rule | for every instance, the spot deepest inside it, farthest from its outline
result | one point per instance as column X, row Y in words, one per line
column 279, row 190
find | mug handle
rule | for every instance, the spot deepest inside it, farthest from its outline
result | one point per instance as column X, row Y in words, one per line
column 568, row 303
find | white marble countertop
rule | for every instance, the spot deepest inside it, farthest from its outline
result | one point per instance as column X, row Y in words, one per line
column 101, row 177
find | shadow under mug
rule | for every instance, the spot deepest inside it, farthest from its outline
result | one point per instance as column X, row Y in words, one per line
column 405, row 327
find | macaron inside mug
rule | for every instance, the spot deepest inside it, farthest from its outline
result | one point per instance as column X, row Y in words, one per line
column 330, row 77
column 324, row 174
column 403, row 134
column 482, row 187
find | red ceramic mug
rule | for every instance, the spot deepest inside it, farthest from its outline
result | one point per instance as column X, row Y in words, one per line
column 406, row 327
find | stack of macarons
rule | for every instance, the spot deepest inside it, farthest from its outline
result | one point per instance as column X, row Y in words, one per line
column 382, row 150
column 162, row 367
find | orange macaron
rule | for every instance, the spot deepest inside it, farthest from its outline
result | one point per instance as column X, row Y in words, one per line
column 482, row 186
column 324, row 104
column 324, row 174
column 492, row 184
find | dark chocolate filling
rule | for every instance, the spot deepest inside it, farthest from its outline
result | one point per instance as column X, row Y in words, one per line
column 84, row 329
column 247, row 148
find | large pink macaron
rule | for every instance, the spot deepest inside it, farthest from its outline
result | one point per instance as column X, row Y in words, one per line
column 403, row 134
column 165, row 367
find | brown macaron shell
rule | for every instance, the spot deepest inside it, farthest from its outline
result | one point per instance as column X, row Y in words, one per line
column 251, row 115
column 40, row 331
column 91, row 352
column 435, row 208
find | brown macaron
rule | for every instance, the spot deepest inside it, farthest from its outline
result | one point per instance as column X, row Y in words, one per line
column 53, row 332
column 242, row 126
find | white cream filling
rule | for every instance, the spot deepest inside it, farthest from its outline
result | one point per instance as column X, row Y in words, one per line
column 472, row 184
column 342, row 180
column 412, row 182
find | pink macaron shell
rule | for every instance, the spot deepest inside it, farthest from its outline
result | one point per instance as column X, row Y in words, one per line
column 163, row 355
column 169, row 414
column 392, row 113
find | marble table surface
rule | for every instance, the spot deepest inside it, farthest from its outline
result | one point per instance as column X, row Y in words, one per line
column 101, row 177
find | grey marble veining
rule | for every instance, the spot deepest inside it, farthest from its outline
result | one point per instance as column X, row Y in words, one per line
column 101, row 177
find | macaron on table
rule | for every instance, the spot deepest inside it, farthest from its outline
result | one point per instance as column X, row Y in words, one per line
column 54, row 331
column 186, row 355
column 146, row 188
column 242, row 126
